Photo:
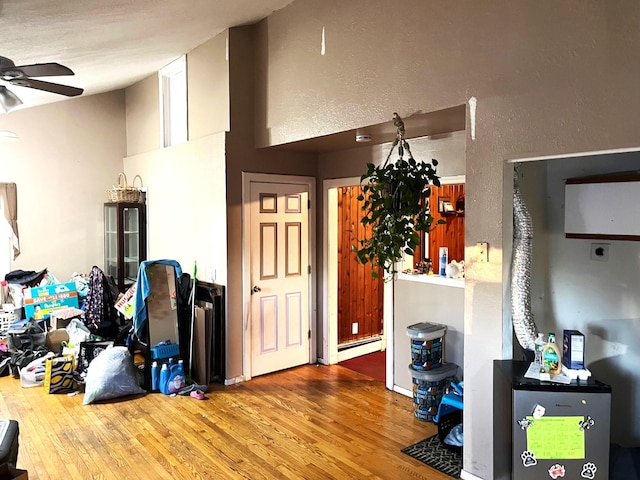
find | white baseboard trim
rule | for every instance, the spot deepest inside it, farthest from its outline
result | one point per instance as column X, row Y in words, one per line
column 468, row 476
column 233, row 381
column 349, row 353
column 403, row 391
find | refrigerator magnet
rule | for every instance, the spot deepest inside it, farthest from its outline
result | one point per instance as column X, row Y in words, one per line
column 556, row 471
column 589, row 470
column 528, row 458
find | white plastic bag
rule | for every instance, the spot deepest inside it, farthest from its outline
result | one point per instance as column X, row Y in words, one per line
column 78, row 333
column 32, row 374
column 111, row 374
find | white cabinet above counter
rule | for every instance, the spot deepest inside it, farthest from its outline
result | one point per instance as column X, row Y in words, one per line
column 603, row 207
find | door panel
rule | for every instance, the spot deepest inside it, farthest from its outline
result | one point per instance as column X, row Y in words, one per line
column 280, row 277
column 360, row 298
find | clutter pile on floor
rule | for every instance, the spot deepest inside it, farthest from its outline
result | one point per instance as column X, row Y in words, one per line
column 71, row 338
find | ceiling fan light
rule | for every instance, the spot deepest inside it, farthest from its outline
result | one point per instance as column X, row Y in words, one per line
column 8, row 99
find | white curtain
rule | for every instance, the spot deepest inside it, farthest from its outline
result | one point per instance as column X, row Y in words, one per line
column 9, row 242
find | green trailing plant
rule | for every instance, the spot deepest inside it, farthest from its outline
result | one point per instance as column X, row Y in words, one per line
column 396, row 206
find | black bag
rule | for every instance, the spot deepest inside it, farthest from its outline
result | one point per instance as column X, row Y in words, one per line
column 5, row 358
column 22, row 358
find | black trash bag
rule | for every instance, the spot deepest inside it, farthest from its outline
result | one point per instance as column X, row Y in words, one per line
column 22, row 358
column 5, row 358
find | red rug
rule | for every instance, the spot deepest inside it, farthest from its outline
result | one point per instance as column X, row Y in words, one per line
column 372, row 365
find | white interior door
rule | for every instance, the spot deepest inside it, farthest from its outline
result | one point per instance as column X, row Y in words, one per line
column 279, row 276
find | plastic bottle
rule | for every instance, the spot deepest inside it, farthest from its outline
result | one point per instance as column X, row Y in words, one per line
column 164, row 378
column 539, row 347
column 444, row 260
column 176, row 380
column 551, row 357
column 155, row 376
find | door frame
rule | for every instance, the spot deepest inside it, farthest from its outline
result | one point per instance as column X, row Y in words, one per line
column 329, row 281
column 247, row 179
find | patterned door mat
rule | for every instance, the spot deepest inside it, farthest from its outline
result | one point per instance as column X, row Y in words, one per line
column 431, row 452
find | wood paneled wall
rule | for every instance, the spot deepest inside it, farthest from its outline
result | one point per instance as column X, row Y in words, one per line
column 450, row 234
column 360, row 295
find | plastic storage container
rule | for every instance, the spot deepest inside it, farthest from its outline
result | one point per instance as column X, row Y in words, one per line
column 428, row 389
column 427, row 345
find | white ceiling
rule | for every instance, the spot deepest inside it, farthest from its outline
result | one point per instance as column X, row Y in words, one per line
column 111, row 44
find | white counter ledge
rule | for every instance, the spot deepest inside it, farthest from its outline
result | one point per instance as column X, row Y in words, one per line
column 432, row 279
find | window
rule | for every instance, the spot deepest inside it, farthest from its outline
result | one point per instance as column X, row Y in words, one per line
column 173, row 102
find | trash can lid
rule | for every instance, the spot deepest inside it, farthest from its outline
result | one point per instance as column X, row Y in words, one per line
column 435, row 374
column 426, row 330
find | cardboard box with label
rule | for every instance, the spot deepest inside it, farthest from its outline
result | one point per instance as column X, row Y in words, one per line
column 39, row 302
column 573, row 349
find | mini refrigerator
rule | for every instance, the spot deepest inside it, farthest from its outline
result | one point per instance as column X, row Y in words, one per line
column 549, row 430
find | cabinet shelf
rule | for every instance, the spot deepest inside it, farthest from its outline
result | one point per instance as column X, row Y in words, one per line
column 124, row 231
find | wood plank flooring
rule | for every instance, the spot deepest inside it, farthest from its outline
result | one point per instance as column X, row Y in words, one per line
column 311, row 422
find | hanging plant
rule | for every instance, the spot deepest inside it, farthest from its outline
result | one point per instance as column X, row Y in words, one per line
column 396, row 206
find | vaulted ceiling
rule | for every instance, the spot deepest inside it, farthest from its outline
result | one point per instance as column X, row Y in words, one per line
column 112, row 44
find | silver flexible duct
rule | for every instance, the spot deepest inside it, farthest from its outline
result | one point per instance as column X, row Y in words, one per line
column 523, row 323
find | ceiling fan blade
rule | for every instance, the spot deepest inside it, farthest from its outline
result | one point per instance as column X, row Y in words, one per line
column 47, row 86
column 36, row 70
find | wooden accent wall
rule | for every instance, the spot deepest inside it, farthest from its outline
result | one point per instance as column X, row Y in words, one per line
column 450, row 234
column 360, row 295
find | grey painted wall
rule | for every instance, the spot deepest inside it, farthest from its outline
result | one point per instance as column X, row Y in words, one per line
column 416, row 302
column 547, row 81
column 571, row 291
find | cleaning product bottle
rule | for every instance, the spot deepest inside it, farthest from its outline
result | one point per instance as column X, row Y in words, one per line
column 164, row 378
column 551, row 357
column 539, row 344
column 155, row 376
column 176, row 380
column 443, row 261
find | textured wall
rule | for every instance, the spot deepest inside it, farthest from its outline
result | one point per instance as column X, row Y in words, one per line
column 547, row 81
column 208, row 87
column 69, row 153
column 143, row 116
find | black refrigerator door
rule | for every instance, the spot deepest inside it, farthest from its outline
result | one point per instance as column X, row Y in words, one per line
column 560, row 435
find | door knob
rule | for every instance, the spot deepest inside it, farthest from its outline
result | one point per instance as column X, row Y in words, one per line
column 256, row 289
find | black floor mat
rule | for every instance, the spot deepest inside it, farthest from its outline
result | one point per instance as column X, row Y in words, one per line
column 431, row 452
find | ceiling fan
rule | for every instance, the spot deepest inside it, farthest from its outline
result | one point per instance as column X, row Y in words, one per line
column 20, row 76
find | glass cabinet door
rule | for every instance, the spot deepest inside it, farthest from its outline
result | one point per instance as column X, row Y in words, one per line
column 131, row 232
column 124, row 241
column 111, row 241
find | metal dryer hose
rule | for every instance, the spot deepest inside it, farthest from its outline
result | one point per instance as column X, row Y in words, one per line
column 523, row 323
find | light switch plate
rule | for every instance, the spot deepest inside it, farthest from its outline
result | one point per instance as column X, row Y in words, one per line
column 482, row 252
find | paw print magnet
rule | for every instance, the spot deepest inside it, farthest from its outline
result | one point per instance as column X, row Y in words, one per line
column 528, row 458
column 589, row 470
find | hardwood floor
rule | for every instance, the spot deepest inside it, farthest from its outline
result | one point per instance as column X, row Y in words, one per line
column 311, row 422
